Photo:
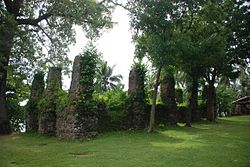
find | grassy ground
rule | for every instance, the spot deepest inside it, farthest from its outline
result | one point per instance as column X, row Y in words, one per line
column 222, row 144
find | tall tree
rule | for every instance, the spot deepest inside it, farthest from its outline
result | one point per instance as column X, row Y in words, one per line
column 44, row 27
column 222, row 56
column 188, row 52
column 153, row 22
column 209, row 43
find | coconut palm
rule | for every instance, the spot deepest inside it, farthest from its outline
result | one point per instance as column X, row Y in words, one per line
column 105, row 79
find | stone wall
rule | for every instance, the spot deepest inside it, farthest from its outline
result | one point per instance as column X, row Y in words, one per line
column 47, row 118
column 37, row 90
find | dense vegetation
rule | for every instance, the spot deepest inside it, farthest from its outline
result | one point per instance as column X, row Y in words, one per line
column 224, row 144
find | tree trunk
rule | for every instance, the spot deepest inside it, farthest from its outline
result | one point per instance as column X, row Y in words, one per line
column 211, row 101
column 4, row 60
column 7, row 35
column 152, row 114
column 4, row 119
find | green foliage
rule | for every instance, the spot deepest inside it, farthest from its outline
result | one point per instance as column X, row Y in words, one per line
column 17, row 84
column 52, row 95
column 197, row 37
column 116, row 101
column 16, row 114
column 50, row 25
column 153, row 24
column 62, row 100
column 44, row 104
column 225, row 96
column 88, row 60
column 184, row 104
column 17, row 92
column 244, row 79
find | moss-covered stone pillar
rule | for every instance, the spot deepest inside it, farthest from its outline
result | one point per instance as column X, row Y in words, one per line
column 79, row 119
column 168, row 97
column 47, row 119
column 136, row 93
column 37, row 90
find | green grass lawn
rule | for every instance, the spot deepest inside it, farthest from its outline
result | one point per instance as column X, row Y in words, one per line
column 222, row 144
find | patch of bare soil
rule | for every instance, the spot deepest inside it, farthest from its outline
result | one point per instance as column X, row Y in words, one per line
column 82, row 154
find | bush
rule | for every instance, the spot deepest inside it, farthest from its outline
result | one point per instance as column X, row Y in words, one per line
column 225, row 96
column 16, row 114
column 116, row 108
column 62, row 100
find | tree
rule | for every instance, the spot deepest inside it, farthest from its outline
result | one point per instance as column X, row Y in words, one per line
column 225, row 96
column 105, row 79
column 17, row 92
column 208, row 45
column 40, row 27
column 216, row 28
column 188, row 55
column 154, row 22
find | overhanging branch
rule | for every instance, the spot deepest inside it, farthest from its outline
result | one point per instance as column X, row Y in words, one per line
column 47, row 35
column 33, row 22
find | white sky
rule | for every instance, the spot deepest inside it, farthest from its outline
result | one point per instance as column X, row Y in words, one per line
column 115, row 45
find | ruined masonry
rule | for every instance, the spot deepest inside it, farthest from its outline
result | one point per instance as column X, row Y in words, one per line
column 47, row 119
column 136, row 98
column 75, row 121
column 168, row 98
column 37, row 90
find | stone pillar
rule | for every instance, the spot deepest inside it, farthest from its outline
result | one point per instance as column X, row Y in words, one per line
column 136, row 104
column 75, row 80
column 47, row 119
column 132, row 81
column 77, row 120
column 37, row 90
column 168, row 97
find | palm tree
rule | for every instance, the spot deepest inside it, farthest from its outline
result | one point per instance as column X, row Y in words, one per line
column 105, row 79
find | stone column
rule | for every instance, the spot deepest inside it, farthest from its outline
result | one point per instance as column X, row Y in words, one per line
column 168, row 97
column 132, row 81
column 77, row 120
column 37, row 90
column 47, row 119
column 136, row 104
column 75, row 79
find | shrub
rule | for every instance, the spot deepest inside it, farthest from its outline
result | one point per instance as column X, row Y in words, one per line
column 225, row 96
column 116, row 103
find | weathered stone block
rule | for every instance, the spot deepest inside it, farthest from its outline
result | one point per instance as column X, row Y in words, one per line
column 47, row 118
column 37, row 90
column 77, row 120
column 168, row 97
column 136, row 99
